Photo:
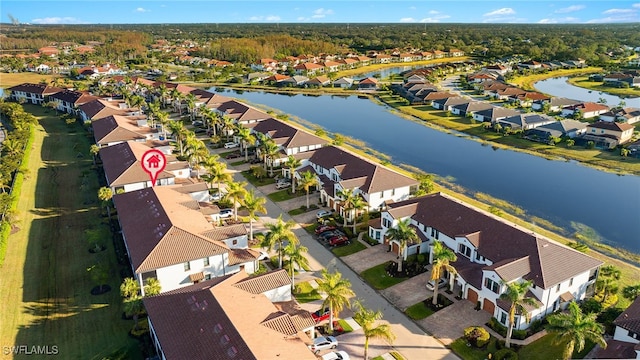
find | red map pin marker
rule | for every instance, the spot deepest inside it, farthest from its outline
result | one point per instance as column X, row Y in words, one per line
column 153, row 162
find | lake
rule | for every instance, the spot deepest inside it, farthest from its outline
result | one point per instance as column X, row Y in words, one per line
column 559, row 191
column 560, row 87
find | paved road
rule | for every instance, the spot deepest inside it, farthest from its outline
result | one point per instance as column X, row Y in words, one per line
column 412, row 342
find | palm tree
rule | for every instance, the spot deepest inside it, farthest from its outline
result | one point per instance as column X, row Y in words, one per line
column 279, row 232
column 358, row 204
column 105, row 194
column 607, row 281
column 307, row 180
column 247, row 138
column 163, row 92
column 292, row 163
column 572, row 328
column 442, row 259
column 227, row 126
column 94, row 150
column 403, row 233
column 217, row 173
column 190, row 100
column 347, row 196
column 129, row 288
column 179, row 133
column 337, row 290
column 254, row 204
column 236, row 192
column 516, row 294
column 367, row 319
column 270, row 152
column 295, row 253
column 152, row 287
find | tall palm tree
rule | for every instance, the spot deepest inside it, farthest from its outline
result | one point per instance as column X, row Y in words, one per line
column 163, row 93
column 152, row 111
column 292, row 163
column 279, row 232
column 270, row 152
column 367, row 319
column 179, row 133
column 515, row 293
column 347, row 196
column 337, row 290
column 442, row 259
column 403, row 233
column 163, row 119
column 236, row 192
column 573, row 328
column 607, row 282
column 307, row 180
column 217, row 173
column 190, row 101
column 253, row 204
column 228, row 126
column 295, row 253
column 357, row 205
column 247, row 138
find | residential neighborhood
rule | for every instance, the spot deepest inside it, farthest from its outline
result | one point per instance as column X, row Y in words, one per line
column 150, row 211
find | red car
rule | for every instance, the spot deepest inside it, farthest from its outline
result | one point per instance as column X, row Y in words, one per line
column 320, row 315
column 339, row 240
column 323, row 228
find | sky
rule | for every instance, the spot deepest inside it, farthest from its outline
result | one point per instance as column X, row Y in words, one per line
column 326, row 11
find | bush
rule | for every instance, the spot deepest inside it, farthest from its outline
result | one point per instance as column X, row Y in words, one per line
column 477, row 335
column 497, row 327
column 505, row 354
column 591, row 305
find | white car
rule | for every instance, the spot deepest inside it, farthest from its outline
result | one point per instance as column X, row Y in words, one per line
column 441, row 283
column 283, row 184
column 216, row 196
column 225, row 213
column 231, row 145
column 323, row 343
column 263, row 255
column 336, row 355
column 323, row 213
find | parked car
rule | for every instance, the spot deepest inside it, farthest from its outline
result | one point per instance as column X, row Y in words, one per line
column 336, row 355
column 441, row 283
column 216, row 196
column 323, row 343
column 323, row 213
column 231, row 145
column 325, row 236
column 255, row 161
column 339, row 240
column 225, row 213
column 320, row 315
column 197, row 123
column 263, row 255
column 233, row 155
column 322, row 228
column 282, row 185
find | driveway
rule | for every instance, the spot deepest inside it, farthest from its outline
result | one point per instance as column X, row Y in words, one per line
column 449, row 323
column 408, row 292
column 368, row 258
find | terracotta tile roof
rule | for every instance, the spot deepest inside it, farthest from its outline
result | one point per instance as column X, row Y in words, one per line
column 263, row 283
column 116, row 128
column 613, row 126
column 160, row 230
column 588, row 107
column 216, row 320
column 220, row 233
column 374, row 177
column 121, row 163
column 511, row 269
column 73, row 97
column 241, row 256
column 100, row 108
column 630, row 317
column 500, row 241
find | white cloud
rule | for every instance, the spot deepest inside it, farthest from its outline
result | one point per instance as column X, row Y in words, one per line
column 272, row 18
column 636, row 5
column 503, row 11
column 412, row 8
column 302, row 18
column 435, row 19
column 434, row 12
column 569, row 9
column 142, row 10
column 619, row 11
column 265, row 18
column 558, row 20
column 57, row 20
column 321, row 13
column 407, row 20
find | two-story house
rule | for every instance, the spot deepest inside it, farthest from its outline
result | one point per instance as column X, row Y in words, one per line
column 100, row 108
column 123, row 168
column 492, row 252
column 232, row 317
column 609, row 134
column 338, row 169
column 35, row 94
column 169, row 238
column 67, row 101
column 116, row 129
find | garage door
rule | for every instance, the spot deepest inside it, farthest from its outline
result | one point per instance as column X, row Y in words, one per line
column 472, row 296
column 488, row 306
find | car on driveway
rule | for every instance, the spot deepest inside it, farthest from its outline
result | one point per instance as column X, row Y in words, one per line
column 225, row 213
column 320, row 315
column 283, row 184
column 441, row 283
column 339, row 240
column 231, row 145
column 263, row 255
column 336, row 355
column 323, row 343
column 325, row 236
column 322, row 228
column 323, row 213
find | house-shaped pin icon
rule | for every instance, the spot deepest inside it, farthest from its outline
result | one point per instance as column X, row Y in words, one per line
column 153, row 161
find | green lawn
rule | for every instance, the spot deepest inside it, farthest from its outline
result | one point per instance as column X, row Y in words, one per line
column 352, row 248
column 284, row 195
column 460, row 348
column 544, row 348
column 236, row 163
column 305, row 293
column 418, row 311
column 44, row 285
column 255, row 181
column 378, row 278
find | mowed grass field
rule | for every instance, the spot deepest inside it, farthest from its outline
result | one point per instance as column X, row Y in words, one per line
column 44, row 286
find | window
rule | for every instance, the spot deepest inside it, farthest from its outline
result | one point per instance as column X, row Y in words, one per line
column 435, row 233
column 386, row 222
column 187, row 266
column 558, row 288
column 207, row 277
column 571, row 282
column 503, row 318
column 492, row 285
column 235, row 242
column 206, row 261
column 592, row 274
column 464, row 250
column 633, row 335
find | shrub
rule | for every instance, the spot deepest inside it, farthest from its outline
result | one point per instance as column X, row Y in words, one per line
column 591, row 305
column 477, row 335
column 505, row 354
column 497, row 327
